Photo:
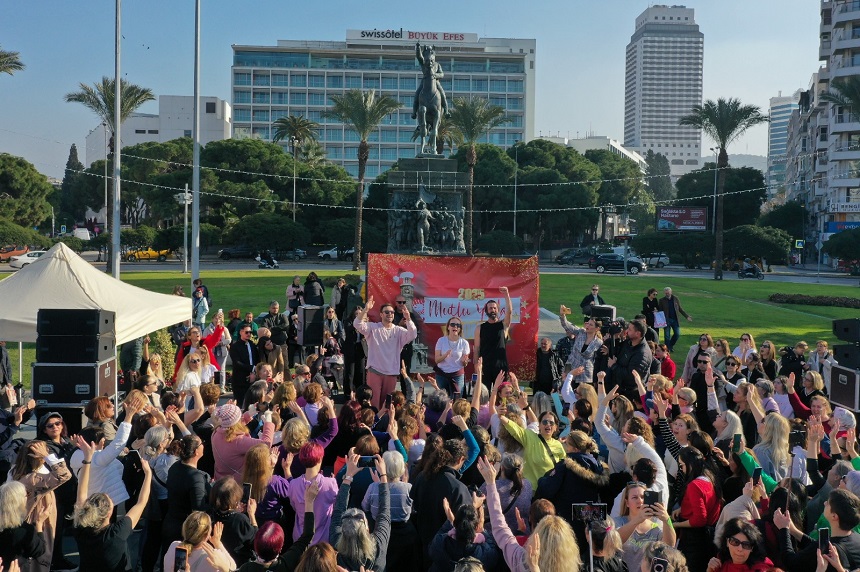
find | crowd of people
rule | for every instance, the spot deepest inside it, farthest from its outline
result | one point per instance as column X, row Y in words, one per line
column 624, row 454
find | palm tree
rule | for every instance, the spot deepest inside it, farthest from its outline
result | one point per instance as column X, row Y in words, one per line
column 723, row 121
column 472, row 118
column 312, row 153
column 845, row 92
column 363, row 111
column 10, row 62
column 296, row 127
column 447, row 135
column 99, row 98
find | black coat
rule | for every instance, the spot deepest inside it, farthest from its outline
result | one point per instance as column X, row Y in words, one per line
column 187, row 491
column 427, row 494
column 242, row 366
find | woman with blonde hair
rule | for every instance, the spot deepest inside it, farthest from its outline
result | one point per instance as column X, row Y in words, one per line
column 19, row 540
column 553, row 536
column 605, row 545
column 744, row 348
column 772, row 450
column 721, row 346
column 202, row 541
column 727, row 424
column 704, row 346
column 451, row 356
column 40, row 472
column 813, row 385
column 231, row 440
column 270, row 491
column 640, row 523
column 610, row 434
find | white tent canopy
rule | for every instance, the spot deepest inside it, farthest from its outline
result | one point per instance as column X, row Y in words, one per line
column 62, row 279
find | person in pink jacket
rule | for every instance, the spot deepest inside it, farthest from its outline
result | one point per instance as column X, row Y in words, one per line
column 231, row 441
column 552, row 547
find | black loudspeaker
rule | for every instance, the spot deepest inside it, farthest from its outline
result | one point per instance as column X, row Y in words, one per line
column 60, row 322
column 75, row 349
column 310, row 325
column 847, row 355
column 73, row 416
column 845, row 387
column 604, row 312
column 73, row 383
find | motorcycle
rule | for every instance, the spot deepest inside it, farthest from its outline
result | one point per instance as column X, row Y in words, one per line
column 265, row 260
column 754, row 272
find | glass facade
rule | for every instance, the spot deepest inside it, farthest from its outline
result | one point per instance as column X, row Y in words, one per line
column 271, row 83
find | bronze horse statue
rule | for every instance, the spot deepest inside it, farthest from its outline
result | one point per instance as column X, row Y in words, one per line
column 430, row 101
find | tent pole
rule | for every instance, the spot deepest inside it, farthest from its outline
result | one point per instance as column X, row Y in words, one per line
column 21, row 362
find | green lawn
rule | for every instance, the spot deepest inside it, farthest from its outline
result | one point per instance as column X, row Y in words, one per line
column 723, row 309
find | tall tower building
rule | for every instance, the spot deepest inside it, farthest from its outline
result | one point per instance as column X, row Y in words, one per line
column 663, row 81
column 777, row 139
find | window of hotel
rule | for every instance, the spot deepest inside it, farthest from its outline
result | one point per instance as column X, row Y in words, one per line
column 388, row 153
column 371, row 172
column 404, row 136
column 500, row 101
column 462, row 84
column 316, row 99
column 241, row 97
column 498, row 85
column 353, row 82
column 261, row 97
column 515, row 103
column 278, row 113
column 261, row 79
column 405, row 153
column 334, row 81
column 389, row 82
column 371, row 82
column 241, row 132
column 261, row 132
column 241, row 114
column 515, row 85
column 408, row 83
column 261, row 115
column 333, row 134
column 279, row 97
column 210, row 106
column 298, row 98
column 316, row 80
column 242, row 78
column 350, row 135
column 389, row 135
column 480, row 84
column 333, row 152
column 280, row 79
column 515, row 121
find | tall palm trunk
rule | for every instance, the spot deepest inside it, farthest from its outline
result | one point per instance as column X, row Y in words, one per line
column 471, row 160
column 718, row 226
column 363, row 156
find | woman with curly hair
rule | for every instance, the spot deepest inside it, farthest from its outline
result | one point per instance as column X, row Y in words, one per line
column 741, row 549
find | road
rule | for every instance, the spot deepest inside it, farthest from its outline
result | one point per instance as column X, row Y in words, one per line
column 783, row 274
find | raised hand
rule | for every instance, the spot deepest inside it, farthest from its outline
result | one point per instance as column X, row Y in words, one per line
column 311, row 493
column 352, row 459
column 521, row 524
column 533, row 553
column 446, row 506
column 487, row 470
column 459, row 422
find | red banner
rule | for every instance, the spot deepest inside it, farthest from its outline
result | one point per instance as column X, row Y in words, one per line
column 440, row 287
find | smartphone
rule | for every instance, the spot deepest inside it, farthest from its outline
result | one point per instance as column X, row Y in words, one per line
column 824, row 540
column 736, row 443
column 651, row 498
column 566, row 311
column 522, row 390
column 180, row 559
column 588, row 512
column 367, row 461
column 457, row 395
column 388, row 401
column 756, row 476
column 795, row 439
column 565, row 409
column 133, row 459
column 474, row 378
column 659, row 565
column 246, row 493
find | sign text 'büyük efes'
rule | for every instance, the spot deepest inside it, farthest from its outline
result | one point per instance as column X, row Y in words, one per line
column 411, row 35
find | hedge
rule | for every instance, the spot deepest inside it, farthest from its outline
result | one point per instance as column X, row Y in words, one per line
column 802, row 299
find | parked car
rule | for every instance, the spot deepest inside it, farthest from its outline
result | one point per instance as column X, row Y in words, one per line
column 241, row 251
column 25, row 259
column 656, row 260
column 604, row 262
column 337, row 254
column 575, row 256
column 147, row 254
column 7, row 252
column 294, row 254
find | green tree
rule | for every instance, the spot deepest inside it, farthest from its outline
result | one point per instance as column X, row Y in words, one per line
column 281, row 233
column 74, row 170
column 723, row 121
column 11, row 233
column 471, row 119
column 24, row 192
column 363, row 111
column 296, row 127
column 658, row 175
column 693, row 249
column 845, row 92
column 622, row 180
column 790, row 217
column 10, row 62
column 844, row 245
column 501, row 242
column 771, row 244
column 312, row 153
column 744, row 188
column 493, row 186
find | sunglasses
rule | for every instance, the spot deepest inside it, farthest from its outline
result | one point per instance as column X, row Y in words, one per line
column 637, row 484
column 703, row 361
column 703, row 339
column 388, row 312
column 742, row 543
column 194, row 361
column 731, row 364
column 401, row 301
column 547, row 422
column 745, row 339
column 60, row 424
column 595, row 290
column 452, row 325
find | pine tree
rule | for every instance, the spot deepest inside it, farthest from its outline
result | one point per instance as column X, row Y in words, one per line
column 659, row 181
column 74, row 170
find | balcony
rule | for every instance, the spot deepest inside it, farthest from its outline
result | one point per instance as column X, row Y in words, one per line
column 824, row 49
column 842, row 124
column 846, row 13
column 851, row 154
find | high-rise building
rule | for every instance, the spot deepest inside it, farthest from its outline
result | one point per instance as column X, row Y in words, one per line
column 296, row 77
column 663, row 81
column 777, row 140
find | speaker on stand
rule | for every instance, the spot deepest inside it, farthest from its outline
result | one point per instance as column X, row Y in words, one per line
column 845, row 377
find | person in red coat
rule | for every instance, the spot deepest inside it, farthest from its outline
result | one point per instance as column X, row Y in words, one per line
column 700, row 509
column 193, row 339
column 667, row 366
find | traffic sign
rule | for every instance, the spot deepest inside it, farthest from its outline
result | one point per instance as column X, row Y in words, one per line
column 62, row 228
column 799, row 244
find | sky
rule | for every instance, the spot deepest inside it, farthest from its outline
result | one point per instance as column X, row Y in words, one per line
column 753, row 50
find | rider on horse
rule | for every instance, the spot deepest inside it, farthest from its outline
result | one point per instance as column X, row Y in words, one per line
column 435, row 70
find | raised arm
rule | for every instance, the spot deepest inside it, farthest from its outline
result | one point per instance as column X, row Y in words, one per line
column 476, row 391
column 136, row 511
column 476, row 342
column 88, row 449
column 509, row 315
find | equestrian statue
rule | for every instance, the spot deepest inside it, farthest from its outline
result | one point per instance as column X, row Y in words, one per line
column 430, row 101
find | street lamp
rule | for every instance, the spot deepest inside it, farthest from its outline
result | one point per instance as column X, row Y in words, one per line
column 184, row 199
column 517, row 160
column 293, row 143
column 104, row 128
column 714, row 213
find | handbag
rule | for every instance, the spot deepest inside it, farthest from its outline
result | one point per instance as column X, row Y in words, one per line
column 660, row 320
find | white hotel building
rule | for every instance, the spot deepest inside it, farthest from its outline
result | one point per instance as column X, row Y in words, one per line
column 296, row 77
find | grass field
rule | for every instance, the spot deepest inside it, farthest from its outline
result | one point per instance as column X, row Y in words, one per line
column 723, row 309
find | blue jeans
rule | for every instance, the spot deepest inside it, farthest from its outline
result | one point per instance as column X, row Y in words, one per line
column 450, row 382
column 675, row 327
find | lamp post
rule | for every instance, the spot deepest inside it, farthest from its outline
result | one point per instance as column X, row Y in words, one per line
column 517, row 160
column 104, row 128
column 714, row 212
column 184, row 199
column 293, row 143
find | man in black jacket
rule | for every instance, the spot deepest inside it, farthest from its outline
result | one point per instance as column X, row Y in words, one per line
column 278, row 326
column 591, row 300
column 634, row 354
column 699, row 382
column 243, row 354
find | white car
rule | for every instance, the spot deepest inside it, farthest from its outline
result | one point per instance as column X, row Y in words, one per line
column 333, row 254
column 657, row 260
column 25, row 259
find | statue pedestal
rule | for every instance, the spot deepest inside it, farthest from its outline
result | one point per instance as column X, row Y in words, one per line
column 426, row 195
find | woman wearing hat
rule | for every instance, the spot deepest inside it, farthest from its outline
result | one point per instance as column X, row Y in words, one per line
column 231, row 440
column 52, row 430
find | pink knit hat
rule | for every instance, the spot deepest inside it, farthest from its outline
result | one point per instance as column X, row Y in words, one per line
column 229, row 415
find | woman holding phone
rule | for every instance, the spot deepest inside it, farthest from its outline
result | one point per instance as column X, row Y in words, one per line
column 641, row 522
